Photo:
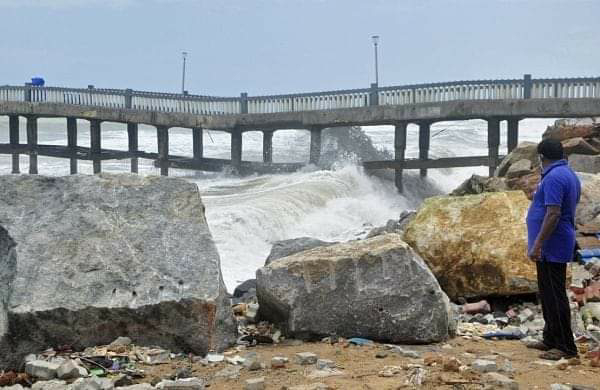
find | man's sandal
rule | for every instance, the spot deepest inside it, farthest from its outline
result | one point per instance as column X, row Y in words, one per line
column 556, row 354
column 539, row 345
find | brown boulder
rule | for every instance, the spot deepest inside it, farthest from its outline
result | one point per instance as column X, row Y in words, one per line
column 524, row 151
column 475, row 245
column 578, row 146
column 526, row 183
column 565, row 129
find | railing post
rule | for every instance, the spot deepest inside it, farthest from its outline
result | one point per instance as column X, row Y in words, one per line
column 374, row 95
column 244, row 103
column 197, row 143
column 128, row 98
column 527, row 84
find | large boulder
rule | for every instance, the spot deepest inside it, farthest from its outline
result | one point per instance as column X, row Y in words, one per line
column 377, row 288
column 475, row 245
column 585, row 163
column 588, row 210
column 284, row 248
column 572, row 128
column 111, row 255
column 524, row 151
column 578, row 146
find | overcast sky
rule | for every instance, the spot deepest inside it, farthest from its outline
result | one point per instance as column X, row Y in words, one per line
column 285, row 46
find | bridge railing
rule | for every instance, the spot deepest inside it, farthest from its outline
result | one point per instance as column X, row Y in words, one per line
column 566, row 88
column 329, row 100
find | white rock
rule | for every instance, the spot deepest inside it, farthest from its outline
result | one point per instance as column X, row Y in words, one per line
column 255, row 384
column 278, row 361
column 481, row 365
column 93, row 383
column 558, row 386
column 323, row 364
column 181, row 384
column 215, row 357
column 13, row 387
column 50, row 385
column 140, row 386
column 70, row 370
column 500, row 381
column 41, row 369
column 304, row 358
column 325, row 373
column 121, row 341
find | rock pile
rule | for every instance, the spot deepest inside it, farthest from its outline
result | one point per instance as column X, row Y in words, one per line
column 108, row 255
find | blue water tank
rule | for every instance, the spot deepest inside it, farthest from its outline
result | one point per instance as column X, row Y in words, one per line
column 37, row 81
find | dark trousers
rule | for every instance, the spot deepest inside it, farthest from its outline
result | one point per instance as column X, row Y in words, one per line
column 555, row 306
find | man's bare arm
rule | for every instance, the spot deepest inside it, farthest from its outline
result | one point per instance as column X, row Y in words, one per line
column 551, row 219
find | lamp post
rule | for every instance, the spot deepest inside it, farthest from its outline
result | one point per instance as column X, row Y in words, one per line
column 184, row 56
column 375, row 39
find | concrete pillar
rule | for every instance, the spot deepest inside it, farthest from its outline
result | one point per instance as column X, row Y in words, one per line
column 72, row 143
column 32, row 142
column 236, row 149
column 493, row 143
column 95, row 145
column 399, row 149
column 197, row 140
column 162, row 133
column 132, row 138
column 512, row 134
column 315, row 145
column 424, row 141
column 268, row 146
column 13, row 125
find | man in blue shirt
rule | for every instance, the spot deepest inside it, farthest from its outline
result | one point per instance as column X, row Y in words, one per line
column 551, row 244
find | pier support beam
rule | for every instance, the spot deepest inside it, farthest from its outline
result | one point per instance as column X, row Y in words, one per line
column 162, row 133
column 424, row 141
column 236, row 149
column 512, row 134
column 315, row 145
column 32, row 141
column 198, row 143
column 267, row 146
column 399, row 150
column 72, row 143
column 95, row 145
column 132, row 138
column 493, row 131
column 13, row 125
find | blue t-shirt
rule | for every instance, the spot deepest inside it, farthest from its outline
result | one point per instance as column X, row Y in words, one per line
column 559, row 187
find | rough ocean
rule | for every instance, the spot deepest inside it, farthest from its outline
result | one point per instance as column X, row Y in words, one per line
column 246, row 215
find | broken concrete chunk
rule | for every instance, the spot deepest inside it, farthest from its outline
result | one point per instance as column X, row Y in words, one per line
column 323, row 364
column 93, row 383
column 50, row 385
column 499, row 381
column 70, row 370
column 278, row 361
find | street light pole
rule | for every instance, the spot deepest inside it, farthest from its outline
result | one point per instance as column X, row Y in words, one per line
column 184, row 55
column 375, row 39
